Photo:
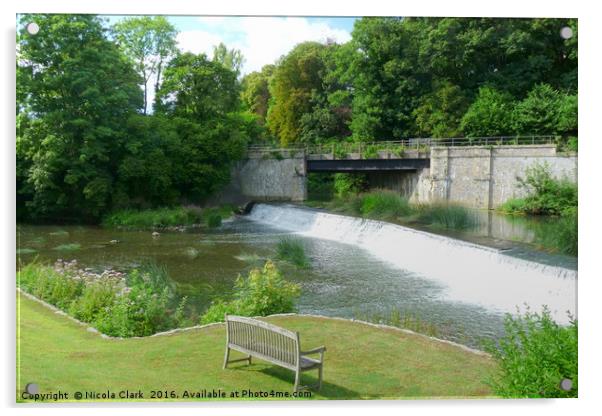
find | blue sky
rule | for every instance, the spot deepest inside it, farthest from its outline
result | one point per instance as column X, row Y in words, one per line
column 262, row 40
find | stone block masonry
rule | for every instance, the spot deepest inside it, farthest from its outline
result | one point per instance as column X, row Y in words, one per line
column 278, row 175
column 473, row 176
column 483, row 177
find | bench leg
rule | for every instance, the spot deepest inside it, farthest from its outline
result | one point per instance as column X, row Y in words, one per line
column 226, row 357
column 297, row 379
column 249, row 360
column 320, row 378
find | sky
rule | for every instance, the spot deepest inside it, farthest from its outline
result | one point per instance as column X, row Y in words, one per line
column 262, row 40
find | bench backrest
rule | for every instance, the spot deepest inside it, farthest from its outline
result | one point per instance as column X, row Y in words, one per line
column 267, row 341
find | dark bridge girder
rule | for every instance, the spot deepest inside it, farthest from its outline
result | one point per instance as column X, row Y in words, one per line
column 367, row 165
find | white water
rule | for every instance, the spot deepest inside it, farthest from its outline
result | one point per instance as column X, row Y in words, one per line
column 470, row 273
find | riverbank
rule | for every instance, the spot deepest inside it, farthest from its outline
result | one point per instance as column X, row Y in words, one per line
column 362, row 361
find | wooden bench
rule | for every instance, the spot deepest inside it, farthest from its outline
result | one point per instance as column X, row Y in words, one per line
column 272, row 344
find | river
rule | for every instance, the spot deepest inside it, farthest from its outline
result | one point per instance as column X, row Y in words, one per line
column 359, row 268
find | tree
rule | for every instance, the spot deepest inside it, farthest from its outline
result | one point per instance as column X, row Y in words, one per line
column 150, row 42
column 489, row 115
column 546, row 111
column 232, row 59
column 76, row 92
column 440, row 112
column 198, row 89
column 297, row 76
column 255, row 91
column 200, row 98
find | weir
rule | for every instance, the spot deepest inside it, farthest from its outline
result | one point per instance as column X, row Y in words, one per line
column 471, row 273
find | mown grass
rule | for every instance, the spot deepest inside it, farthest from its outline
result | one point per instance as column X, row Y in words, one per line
column 361, row 362
column 292, row 250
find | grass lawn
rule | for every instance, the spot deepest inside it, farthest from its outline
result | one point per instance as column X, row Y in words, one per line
column 361, row 362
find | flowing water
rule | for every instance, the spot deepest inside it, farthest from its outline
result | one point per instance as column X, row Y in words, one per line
column 360, row 268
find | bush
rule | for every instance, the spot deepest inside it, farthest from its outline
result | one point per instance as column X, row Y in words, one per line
column 514, row 206
column 292, row 250
column 47, row 284
column 214, row 220
column 447, row 216
column 348, row 184
column 546, row 194
column 264, row 292
column 534, row 356
column 141, row 303
column 152, row 218
column 384, row 205
column 95, row 298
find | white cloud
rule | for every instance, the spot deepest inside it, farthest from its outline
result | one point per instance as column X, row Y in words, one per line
column 198, row 41
column 262, row 40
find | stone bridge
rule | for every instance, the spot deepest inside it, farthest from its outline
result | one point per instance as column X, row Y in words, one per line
column 478, row 176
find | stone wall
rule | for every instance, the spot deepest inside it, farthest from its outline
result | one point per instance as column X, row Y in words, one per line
column 268, row 176
column 478, row 177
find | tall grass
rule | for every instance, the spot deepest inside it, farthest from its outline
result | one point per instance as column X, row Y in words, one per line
column 382, row 205
column 447, row 216
column 292, row 250
column 560, row 235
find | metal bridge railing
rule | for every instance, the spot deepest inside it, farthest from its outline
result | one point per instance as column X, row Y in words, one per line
column 398, row 147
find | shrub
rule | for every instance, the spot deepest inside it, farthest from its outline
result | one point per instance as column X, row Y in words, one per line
column 152, row 218
column 534, row 356
column 546, row 194
column 384, row 205
column 514, row 206
column 140, row 304
column 448, row 216
column 348, row 184
column 214, row 220
column 47, row 284
column 263, row 292
column 320, row 186
column 292, row 250
column 371, row 152
column 95, row 298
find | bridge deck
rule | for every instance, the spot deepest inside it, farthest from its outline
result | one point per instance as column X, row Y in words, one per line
column 367, row 165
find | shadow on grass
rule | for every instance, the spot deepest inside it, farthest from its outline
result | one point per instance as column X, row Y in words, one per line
column 328, row 390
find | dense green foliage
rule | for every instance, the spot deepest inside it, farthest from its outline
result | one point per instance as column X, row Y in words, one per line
column 263, row 292
column 534, row 356
column 75, row 93
column 152, row 218
column 546, row 195
column 88, row 144
column 85, row 146
column 149, row 42
column 434, row 77
column 137, row 304
column 292, row 250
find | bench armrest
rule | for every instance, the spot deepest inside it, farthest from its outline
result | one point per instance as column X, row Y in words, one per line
column 314, row 351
